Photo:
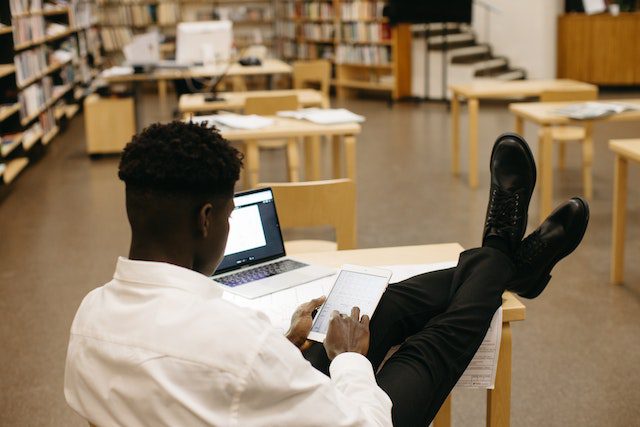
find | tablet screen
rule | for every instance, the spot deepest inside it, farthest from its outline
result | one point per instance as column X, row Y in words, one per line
column 352, row 289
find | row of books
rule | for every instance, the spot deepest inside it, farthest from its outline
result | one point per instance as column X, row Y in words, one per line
column 47, row 121
column 358, row 10
column 286, row 29
column 35, row 97
column 115, row 38
column 138, row 16
column 24, row 6
column 318, row 31
column 167, row 13
column 319, row 10
column 291, row 50
column 28, row 28
column 252, row 13
column 361, row 32
column 30, row 64
column 82, row 14
column 366, row 55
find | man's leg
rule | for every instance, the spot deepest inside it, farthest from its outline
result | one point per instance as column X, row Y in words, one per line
column 404, row 309
column 420, row 375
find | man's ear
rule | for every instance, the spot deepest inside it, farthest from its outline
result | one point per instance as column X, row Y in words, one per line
column 205, row 216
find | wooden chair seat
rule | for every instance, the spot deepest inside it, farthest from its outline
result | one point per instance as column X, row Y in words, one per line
column 568, row 133
column 305, row 246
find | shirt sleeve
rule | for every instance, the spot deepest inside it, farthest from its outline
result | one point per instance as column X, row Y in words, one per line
column 282, row 388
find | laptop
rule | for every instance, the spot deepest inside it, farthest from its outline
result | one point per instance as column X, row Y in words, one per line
column 255, row 263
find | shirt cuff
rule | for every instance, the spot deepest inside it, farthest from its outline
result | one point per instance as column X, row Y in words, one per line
column 350, row 362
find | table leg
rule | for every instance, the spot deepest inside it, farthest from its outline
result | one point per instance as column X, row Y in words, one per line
column 253, row 164
column 455, row 135
column 473, row 142
column 546, row 184
column 350, row 156
column 293, row 160
column 443, row 417
column 312, row 155
column 499, row 399
column 336, row 156
column 619, row 219
column 162, row 92
column 519, row 125
column 587, row 161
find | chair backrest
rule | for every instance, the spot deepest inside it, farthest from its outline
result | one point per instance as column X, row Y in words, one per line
column 270, row 105
column 569, row 95
column 318, row 203
column 316, row 71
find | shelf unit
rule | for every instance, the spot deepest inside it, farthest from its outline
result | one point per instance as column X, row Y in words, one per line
column 47, row 57
column 367, row 53
column 253, row 20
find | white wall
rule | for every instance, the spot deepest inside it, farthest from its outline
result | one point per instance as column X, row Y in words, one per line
column 522, row 30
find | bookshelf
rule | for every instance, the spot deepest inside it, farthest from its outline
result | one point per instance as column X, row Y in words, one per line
column 49, row 54
column 366, row 52
column 253, row 20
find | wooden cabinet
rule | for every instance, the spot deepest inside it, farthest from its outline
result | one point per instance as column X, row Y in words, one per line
column 600, row 49
column 109, row 123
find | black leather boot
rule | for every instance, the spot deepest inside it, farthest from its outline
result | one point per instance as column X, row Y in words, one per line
column 513, row 177
column 558, row 236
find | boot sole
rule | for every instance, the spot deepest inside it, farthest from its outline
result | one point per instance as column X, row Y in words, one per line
column 545, row 277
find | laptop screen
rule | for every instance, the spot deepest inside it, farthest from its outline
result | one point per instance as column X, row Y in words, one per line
column 254, row 231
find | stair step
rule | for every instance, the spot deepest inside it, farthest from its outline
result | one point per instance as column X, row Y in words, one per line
column 511, row 74
column 452, row 41
column 485, row 67
column 470, row 55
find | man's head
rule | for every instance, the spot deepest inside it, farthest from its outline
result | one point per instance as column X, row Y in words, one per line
column 179, row 191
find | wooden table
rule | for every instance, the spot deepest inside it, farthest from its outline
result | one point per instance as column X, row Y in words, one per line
column 544, row 114
column 491, row 89
column 498, row 399
column 269, row 67
column 625, row 150
column 234, row 101
column 284, row 128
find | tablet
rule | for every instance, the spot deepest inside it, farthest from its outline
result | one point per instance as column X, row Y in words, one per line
column 355, row 286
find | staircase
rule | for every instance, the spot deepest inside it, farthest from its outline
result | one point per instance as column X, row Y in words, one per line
column 466, row 60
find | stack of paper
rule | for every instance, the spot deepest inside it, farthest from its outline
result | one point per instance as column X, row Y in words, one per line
column 324, row 116
column 593, row 110
column 236, row 121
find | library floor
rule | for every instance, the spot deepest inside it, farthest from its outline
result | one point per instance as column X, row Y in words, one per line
column 575, row 358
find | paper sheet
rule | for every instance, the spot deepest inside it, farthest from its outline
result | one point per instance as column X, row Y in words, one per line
column 279, row 307
column 236, row 121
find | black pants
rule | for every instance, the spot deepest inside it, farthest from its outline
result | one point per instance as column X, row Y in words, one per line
column 440, row 318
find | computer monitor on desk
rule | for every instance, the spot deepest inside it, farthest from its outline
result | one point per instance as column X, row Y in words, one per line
column 143, row 50
column 204, row 42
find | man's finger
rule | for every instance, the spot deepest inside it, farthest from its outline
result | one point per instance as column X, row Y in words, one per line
column 355, row 313
column 365, row 320
column 334, row 314
column 315, row 303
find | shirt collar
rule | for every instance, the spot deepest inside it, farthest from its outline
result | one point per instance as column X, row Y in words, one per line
column 167, row 275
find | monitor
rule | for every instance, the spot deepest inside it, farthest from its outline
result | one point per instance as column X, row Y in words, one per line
column 143, row 49
column 204, row 42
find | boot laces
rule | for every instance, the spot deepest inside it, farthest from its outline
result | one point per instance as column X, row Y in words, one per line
column 504, row 211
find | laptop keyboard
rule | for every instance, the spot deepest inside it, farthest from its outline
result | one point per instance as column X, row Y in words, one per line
column 260, row 272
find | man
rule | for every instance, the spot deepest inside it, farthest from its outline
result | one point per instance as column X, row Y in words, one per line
column 159, row 346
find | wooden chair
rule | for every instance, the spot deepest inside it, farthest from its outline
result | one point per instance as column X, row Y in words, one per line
column 317, row 73
column 564, row 134
column 315, row 204
column 269, row 106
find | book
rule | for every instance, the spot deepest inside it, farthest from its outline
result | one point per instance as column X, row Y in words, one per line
column 594, row 110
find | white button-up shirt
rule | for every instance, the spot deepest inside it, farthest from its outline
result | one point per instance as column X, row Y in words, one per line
column 158, row 346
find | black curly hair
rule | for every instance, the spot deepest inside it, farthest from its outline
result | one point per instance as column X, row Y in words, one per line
column 180, row 158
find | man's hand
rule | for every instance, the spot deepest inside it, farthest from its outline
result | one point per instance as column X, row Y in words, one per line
column 347, row 334
column 302, row 320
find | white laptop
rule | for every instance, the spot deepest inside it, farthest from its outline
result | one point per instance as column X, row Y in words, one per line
column 255, row 263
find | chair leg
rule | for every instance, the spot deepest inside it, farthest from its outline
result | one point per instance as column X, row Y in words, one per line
column 587, row 162
column 293, row 160
column 562, row 151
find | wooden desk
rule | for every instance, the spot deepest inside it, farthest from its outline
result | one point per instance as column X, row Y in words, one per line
column 477, row 90
column 543, row 114
column 234, row 101
column 269, row 67
column 498, row 399
column 283, row 128
column 625, row 150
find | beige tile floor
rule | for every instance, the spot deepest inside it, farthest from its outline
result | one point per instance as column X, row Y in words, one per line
column 576, row 357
